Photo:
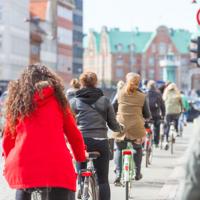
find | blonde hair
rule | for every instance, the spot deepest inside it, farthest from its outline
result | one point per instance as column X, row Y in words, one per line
column 170, row 87
column 75, row 83
column 120, row 85
column 132, row 82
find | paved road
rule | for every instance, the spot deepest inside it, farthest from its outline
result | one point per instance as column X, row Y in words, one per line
column 160, row 182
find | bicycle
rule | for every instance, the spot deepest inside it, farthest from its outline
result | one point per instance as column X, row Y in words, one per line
column 128, row 168
column 89, row 188
column 148, row 145
column 172, row 132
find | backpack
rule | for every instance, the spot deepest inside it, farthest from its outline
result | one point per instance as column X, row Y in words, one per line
column 153, row 102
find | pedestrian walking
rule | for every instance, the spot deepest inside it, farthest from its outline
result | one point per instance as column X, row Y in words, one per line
column 157, row 108
column 38, row 124
column 94, row 113
column 133, row 108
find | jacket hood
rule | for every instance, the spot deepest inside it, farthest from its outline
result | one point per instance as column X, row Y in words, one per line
column 89, row 95
column 40, row 97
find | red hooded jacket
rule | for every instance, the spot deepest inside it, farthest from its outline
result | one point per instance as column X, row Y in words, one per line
column 38, row 156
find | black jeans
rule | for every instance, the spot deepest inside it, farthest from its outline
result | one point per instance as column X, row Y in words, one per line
column 137, row 157
column 170, row 118
column 101, row 165
column 156, row 130
column 47, row 194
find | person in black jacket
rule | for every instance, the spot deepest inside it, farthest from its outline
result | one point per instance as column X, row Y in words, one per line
column 93, row 113
column 157, row 108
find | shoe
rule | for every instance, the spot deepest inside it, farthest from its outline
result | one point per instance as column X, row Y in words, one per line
column 166, row 146
column 117, row 181
column 138, row 177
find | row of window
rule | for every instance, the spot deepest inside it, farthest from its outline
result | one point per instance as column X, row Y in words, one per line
column 161, row 47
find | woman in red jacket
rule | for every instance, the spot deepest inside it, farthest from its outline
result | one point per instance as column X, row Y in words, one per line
column 34, row 141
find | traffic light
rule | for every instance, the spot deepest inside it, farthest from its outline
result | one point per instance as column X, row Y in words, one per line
column 196, row 51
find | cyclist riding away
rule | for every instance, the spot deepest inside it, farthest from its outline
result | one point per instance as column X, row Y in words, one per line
column 38, row 123
column 157, row 108
column 132, row 108
column 93, row 113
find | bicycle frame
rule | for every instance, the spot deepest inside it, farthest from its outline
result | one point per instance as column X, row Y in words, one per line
column 128, row 167
column 89, row 174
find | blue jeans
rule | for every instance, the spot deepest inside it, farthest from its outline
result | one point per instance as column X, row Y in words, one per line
column 47, row 194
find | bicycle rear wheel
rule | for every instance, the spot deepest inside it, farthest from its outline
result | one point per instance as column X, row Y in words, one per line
column 127, row 188
column 90, row 190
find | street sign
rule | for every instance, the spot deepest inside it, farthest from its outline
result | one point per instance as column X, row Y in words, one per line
column 198, row 17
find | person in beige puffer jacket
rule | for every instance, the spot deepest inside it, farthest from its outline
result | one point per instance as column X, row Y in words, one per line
column 173, row 105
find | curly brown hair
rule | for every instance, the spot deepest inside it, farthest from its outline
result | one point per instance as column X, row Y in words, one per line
column 20, row 104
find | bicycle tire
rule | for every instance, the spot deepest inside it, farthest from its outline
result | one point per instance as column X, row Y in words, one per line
column 127, row 190
column 147, row 157
column 93, row 189
column 172, row 146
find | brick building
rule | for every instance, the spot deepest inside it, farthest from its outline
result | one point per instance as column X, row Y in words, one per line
column 55, row 29
column 113, row 53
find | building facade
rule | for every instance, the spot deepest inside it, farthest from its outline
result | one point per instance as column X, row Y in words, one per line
column 78, row 38
column 113, row 53
column 14, row 38
column 55, row 29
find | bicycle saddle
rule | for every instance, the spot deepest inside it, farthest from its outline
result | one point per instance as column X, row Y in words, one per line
column 94, row 154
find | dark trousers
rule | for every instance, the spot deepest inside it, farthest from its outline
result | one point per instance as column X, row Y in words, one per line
column 101, row 165
column 47, row 194
column 170, row 118
column 137, row 157
column 156, row 130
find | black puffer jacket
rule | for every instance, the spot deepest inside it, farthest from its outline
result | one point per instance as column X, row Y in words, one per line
column 93, row 113
column 156, row 104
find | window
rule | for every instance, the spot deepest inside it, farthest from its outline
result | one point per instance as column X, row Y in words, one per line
column 162, row 48
column 79, row 4
column 119, row 61
column 78, row 20
column 77, row 52
column 151, row 74
column 77, row 68
column 119, row 73
column 119, row 47
column 77, row 36
column 132, row 60
column 64, row 12
column 64, row 63
column 35, row 49
column 151, row 61
column 64, row 36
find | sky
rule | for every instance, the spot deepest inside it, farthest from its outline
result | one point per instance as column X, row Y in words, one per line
column 147, row 15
